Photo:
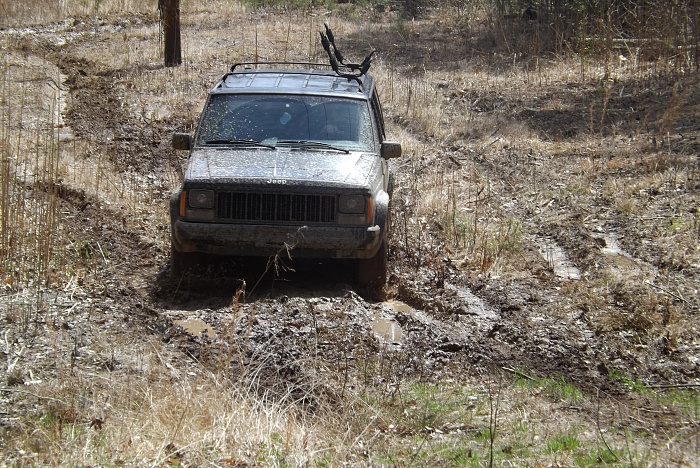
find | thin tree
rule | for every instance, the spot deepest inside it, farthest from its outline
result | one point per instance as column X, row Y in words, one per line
column 170, row 19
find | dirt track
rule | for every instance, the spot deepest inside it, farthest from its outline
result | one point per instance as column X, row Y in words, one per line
column 453, row 319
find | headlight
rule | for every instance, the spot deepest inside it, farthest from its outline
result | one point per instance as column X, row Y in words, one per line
column 201, row 199
column 353, row 204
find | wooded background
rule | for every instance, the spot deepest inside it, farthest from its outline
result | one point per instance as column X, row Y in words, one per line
column 652, row 29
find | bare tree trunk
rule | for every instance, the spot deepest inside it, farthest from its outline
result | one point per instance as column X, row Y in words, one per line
column 170, row 18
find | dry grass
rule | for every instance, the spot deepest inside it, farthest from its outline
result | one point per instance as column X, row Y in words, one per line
column 153, row 413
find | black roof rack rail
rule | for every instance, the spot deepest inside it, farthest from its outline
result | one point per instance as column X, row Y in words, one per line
column 254, row 64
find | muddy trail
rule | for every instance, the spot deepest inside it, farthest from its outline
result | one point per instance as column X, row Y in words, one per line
column 285, row 323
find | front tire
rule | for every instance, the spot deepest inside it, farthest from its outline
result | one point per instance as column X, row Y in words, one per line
column 182, row 262
column 371, row 273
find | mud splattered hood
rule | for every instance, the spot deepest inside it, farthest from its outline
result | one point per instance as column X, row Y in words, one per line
column 282, row 165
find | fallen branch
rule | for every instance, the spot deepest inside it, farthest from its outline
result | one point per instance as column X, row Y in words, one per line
column 25, row 392
column 517, row 373
column 687, row 385
column 670, row 293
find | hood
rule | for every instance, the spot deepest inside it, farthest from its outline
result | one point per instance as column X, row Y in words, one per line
column 283, row 164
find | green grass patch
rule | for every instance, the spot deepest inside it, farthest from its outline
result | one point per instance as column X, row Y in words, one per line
column 634, row 385
column 562, row 443
column 687, row 400
column 600, row 456
column 433, row 405
column 558, row 389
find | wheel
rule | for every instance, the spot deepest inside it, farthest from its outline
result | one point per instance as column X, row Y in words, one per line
column 182, row 262
column 371, row 274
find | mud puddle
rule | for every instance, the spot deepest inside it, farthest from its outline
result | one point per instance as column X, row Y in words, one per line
column 621, row 262
column 191, row 324
column 557, row 259
column 471, row 315
column 473, row 304
column 388, row 329
column 196, row 327
column 65, row 133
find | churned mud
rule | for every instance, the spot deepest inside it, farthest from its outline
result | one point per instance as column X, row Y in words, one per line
column 598, row 282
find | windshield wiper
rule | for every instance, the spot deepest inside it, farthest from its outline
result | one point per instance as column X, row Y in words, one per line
column 311, row 145
column 234, row 141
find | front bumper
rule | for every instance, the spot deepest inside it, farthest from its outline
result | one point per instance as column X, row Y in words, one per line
column 266, row 240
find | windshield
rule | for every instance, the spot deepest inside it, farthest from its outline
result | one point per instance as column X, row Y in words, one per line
column 283, row 120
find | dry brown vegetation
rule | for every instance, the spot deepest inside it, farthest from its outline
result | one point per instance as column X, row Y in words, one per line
column 544, row 261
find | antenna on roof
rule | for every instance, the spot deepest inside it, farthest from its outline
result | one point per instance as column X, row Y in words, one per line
column 335, row 57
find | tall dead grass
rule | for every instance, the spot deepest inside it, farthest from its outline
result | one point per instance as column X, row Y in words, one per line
column 37, row 12
column 192, row 420
column 29, row 117
column 153, row 413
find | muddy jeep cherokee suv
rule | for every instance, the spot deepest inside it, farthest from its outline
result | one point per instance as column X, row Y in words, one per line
column 287, row 159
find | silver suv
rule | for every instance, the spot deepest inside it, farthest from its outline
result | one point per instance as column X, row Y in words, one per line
column 287, row 159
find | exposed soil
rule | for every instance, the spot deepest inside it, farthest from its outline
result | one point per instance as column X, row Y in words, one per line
column 455, row 319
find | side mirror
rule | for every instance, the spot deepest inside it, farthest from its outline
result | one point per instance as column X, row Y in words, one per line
column 391, row 149
column 182, row 141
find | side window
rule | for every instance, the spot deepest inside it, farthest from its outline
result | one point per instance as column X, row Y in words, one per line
column 379, row 117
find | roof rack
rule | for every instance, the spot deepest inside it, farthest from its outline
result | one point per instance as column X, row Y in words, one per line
column 337, row 60
column 248, row 65
column 351, row 71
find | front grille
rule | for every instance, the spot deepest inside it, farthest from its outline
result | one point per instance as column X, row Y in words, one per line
column 245, row 206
